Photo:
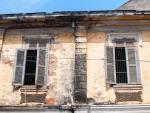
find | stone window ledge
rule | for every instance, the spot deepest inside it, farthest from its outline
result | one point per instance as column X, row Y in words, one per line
column 129, row 87
column 32, row 94
column 128, row 93
column 32, row 89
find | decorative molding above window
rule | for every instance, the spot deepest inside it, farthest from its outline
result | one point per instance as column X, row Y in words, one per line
column 124, row 37
column 36, row 41
column 122, row 59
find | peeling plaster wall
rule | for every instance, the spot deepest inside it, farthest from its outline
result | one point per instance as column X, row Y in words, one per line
column 97, row 90
column 7, row 96
column 61, row 67
column 61, row 62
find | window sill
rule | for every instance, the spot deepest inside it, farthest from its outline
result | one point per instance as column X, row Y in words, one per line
column 129, row 87
column 128, row 92
column 33, row 89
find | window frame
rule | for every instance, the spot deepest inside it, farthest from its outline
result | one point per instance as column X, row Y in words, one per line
column 127, row 63
column 25, row 66
column 110, row 43
column 125, row 50
column 25, row 48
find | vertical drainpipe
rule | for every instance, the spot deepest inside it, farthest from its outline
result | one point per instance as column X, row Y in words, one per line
column 3, row 40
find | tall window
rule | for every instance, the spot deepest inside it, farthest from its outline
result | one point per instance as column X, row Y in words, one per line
column 31, row 64
column 122, row 62
column 121, row 65
column 30, row 67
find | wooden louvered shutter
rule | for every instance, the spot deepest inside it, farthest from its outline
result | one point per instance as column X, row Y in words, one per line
column 132, row 65
column 41, row 67
column 110, row 65
column 19, row 68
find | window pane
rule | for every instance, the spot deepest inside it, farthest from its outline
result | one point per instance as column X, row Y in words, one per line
column 121, row 77
column 121, row 68
column 131, row 56
column 133, row 74
column 30, row 69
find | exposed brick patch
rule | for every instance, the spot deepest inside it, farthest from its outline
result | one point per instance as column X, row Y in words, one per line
column 50, row 101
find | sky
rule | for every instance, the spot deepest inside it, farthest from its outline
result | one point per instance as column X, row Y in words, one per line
column 29, row 6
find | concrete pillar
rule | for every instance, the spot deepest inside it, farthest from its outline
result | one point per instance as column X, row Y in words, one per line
column 80, row 86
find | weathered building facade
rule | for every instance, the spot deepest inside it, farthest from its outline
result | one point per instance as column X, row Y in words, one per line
column 86, row 61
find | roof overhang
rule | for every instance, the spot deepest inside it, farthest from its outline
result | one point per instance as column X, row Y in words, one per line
column 61, row 19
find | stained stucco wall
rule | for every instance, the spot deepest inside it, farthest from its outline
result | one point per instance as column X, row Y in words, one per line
column 7, row 96
column 61, row 62
column 97, row 89
column 61, row 67
column 144, row 55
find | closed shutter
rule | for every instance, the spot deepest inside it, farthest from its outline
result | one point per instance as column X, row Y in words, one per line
column 132, row 65
column 110, row 65
column 19, row 68
column 41, row 67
